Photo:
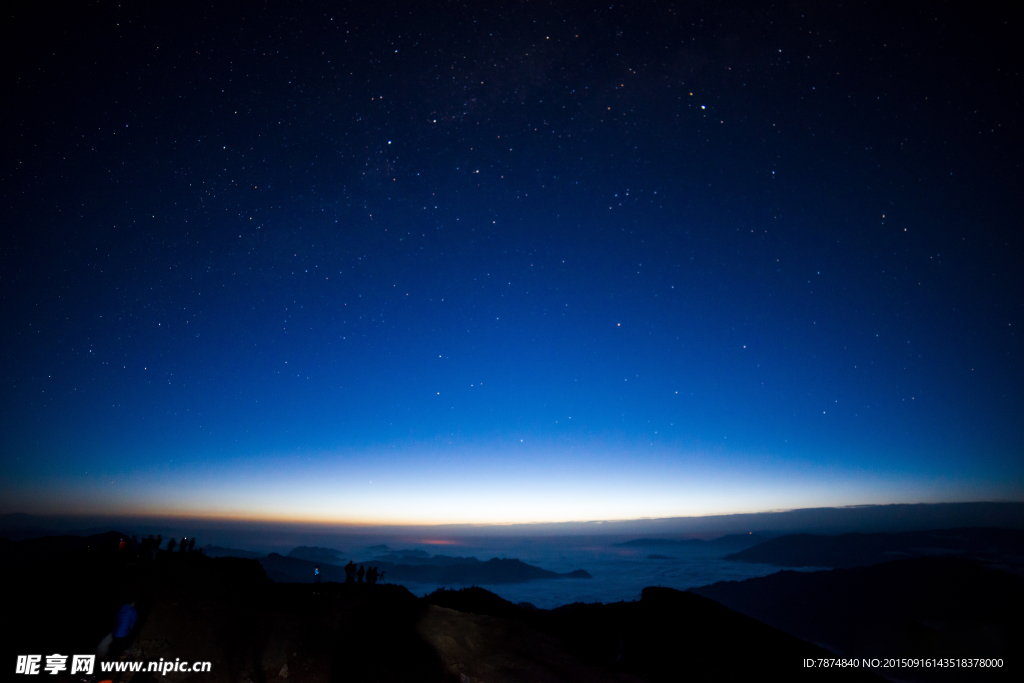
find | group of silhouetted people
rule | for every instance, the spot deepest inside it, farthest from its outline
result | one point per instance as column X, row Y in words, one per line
column 353, row 574
column 149, row 547
column 187, row 545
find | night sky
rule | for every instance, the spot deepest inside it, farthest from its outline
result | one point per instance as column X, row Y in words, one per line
column 505, row 262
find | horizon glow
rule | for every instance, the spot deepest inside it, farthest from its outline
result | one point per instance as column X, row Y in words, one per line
column 428, row 487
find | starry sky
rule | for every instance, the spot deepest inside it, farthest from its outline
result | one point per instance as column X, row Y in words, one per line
column 508, row 262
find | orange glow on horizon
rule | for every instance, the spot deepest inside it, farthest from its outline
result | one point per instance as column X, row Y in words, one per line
column 306, row 520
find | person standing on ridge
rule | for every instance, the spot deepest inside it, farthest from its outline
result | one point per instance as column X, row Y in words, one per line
column 361, row 573
column 120, row 637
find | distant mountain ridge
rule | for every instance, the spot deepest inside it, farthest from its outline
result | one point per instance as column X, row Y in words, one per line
column 729, row 541
column 315, row 554
column 445, row 571
column 991, row 545
column 423, row 559
column 385, row 552
column 219, row 551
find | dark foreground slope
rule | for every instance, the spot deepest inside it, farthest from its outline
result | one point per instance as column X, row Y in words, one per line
column 668, row 635
column 226, row 610
column 923, row 607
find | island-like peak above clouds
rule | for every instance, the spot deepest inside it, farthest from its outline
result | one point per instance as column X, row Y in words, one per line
column 439, row 570
column 315, row 554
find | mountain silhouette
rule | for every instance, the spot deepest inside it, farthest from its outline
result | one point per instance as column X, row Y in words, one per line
column 920, row 607
column 314, row 554
column 723, row 543
column 229, row 612
column 440, row 570
column 997, row 546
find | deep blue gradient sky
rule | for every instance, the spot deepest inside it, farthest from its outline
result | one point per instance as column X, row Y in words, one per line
column 527, row 261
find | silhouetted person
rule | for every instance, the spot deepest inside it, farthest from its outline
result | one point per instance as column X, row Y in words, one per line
column 191, row 543
column 350, row 572
column 171, row 545
column 371, row 575
column 380, row 577
column 182, row 548
column 360, row 573
column 120, row 637
column 316, row 579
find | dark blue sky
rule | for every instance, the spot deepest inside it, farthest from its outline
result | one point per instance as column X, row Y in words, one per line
column 514, row 262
